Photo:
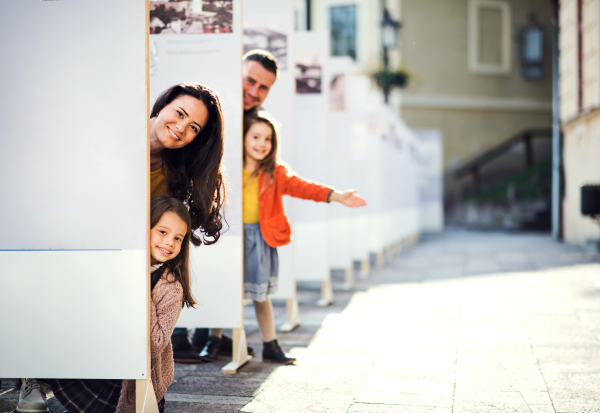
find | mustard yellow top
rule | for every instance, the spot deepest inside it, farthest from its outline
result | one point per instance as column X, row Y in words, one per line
column 158, row 182
column 249, row 198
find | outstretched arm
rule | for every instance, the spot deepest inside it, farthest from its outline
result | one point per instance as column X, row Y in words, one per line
column 348, row 198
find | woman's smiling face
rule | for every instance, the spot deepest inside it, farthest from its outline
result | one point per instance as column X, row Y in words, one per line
column 179, row 122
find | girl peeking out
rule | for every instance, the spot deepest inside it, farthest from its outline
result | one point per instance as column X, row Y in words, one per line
column 170, row 282
column 266, row 227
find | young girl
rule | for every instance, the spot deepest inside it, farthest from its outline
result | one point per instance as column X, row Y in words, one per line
column 266, row 227
column 170, row 283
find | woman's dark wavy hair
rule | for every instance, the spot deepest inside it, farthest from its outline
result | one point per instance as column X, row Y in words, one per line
column 178, row 266
column 194, row 171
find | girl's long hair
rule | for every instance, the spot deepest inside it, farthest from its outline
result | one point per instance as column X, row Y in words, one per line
column 178, row 266
column 194, row 171
column 268, row 164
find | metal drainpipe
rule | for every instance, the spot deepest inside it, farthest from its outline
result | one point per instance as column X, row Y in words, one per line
column 557, row 232
column 308, row 13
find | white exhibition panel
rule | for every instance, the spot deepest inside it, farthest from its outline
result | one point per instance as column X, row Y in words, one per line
column 358, row 92
column 431, row 172
column 269, row 24
column 377, row 120
column 73, row 174
column 73, row 314
column 209, row 276
column 213, row 59
column 340, row 158
column 311, row 238
column 73, row 113
column 409, row 185
column 400, row 150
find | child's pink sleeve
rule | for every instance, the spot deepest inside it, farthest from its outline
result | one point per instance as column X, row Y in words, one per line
column 165, row 306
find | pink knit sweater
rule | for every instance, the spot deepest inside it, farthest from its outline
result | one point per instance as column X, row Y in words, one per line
column 167, row 301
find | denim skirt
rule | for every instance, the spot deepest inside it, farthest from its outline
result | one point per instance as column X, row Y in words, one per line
column 261, row 265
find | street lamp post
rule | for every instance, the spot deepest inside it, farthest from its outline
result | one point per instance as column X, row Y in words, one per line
column 389, row 40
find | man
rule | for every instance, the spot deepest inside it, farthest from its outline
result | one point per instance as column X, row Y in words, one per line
column 259, row 72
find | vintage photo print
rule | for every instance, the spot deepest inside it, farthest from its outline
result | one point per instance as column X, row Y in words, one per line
column 191, row 16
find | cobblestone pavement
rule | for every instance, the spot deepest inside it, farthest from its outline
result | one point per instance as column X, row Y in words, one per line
column 463, row 322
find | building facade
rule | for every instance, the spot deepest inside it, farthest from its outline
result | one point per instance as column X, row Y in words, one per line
column 468, row 81
column 579, row 111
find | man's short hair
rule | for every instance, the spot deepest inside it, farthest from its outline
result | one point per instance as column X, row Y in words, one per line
column 265, row 58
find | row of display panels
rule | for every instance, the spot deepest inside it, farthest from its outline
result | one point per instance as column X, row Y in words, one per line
column 75, row 171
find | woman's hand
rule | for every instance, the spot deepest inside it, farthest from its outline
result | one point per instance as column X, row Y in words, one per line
column 348, row 198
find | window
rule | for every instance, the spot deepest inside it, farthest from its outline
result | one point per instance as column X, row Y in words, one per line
column 343, row 31
column 489, row 37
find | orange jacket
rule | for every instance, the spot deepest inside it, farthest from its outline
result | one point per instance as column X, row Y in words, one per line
column 274, row 225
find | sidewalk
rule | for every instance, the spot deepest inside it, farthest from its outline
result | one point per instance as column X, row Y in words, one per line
column 464, row 322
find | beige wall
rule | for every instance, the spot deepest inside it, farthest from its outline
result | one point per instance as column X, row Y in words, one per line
column 581, row 130
column 435, row 43
column 591, row 56
column 469, row 132
column 581, row 152
column 446, row 95
column 569, row 97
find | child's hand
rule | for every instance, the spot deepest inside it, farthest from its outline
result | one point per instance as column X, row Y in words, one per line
column 349, row 198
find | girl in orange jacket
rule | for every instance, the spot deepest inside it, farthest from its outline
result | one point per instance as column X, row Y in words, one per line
column 266, row 227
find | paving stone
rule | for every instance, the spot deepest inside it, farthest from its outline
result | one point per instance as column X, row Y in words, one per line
column 410, row 382
column 407, row 399
column 512, row 397
column 542, row 408
column 537, row 397
column 383, row 408
column 489, row 407
column 569, row 385
column 184, row 407
column 283, row 406
column 579, row 405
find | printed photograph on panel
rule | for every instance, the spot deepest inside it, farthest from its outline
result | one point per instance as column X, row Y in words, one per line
column 337, row 98
column 308, row 73
column 191, row 16
column 267, row 39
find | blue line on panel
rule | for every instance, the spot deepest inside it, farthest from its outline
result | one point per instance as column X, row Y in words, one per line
column 59, row 250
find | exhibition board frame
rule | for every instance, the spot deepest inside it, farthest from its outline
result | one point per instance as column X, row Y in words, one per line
column 340, row 160
column 312, row 159
column 213, row 58
column 359, row 89
column 268, row 24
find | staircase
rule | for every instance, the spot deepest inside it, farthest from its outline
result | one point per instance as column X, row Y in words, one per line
column 506, row 187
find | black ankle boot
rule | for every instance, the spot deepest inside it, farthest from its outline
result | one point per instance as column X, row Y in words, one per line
column 273, row 353
column 182, row 349
column 226, row 348
column 211, row 349
column 199, row 339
